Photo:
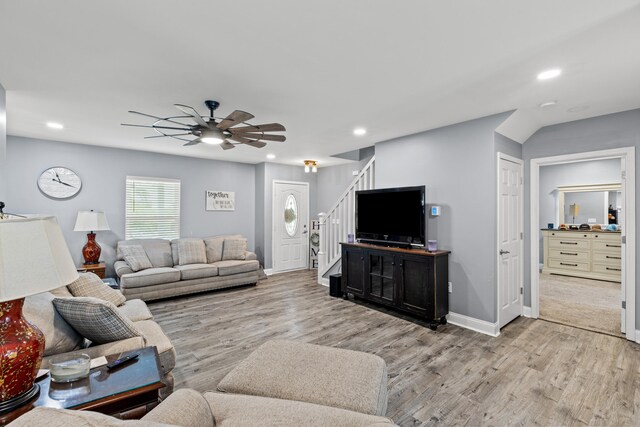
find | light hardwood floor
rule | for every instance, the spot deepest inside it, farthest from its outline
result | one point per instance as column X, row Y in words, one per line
column 534, row 373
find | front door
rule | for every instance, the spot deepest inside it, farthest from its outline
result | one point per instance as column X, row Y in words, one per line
column 290, row 225
column 509, row 239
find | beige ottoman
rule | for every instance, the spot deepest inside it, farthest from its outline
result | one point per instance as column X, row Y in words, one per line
column 312, row 373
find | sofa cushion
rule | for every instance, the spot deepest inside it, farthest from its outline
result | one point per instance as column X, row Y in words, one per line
column 90, row 285
column 234, row 248
column 59, row 336
column 135, row 310
column 121, row 267
column 197, row 271
column 97, row 320
column 136, row 257
column 184, row 407
column 214, row 248
column 191, row 251
column 227, row 268
column 238, row 410
column 53, row 417
column 152, row 276
column 158, row 250
column 305, row 372
column 154, row 336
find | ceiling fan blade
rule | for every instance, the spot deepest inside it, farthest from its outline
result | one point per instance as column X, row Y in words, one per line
column 159, row 118
column 234, row 118
column 256, row 144
column 251, row 142
column 226, row 145
column 192, row 142
column 162, row 136
column 264, row 137
column 269, row 127
column 155, row 127
column 193, row 113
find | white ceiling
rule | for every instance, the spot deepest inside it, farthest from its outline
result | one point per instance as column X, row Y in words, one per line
column 320, row 68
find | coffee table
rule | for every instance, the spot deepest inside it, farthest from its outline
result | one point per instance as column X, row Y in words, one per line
column 128, row 392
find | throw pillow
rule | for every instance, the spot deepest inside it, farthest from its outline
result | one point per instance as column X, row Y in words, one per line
column 191, row 251
column 234, row 248
column 136, row 257
column 59, row 336
column 97, row 320
column 214, row 248
column 90, row 285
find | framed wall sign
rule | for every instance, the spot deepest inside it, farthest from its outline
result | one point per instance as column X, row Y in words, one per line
column 220, row 200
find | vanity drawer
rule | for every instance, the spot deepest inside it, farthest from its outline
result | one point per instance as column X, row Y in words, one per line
column 566, row 243
column 569, row 265
column 607, row 258
column 568, row 254
column 607, row 245
column 607, row 269
column 572, row 235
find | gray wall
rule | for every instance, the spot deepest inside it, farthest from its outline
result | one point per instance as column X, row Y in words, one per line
column 273, row 171
column 3, row 145
column 103, row 172
column 597, row 133
column 507, row 146
column 457, row 164
column 333, row 181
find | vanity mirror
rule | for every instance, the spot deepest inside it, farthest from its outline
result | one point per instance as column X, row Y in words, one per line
column 589, row 204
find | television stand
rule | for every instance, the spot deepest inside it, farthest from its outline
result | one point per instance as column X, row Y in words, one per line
column 410, row 280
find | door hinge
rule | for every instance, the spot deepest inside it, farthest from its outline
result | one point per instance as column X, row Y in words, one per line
column 624, row 239
column 624, row 305
column 521, row 291
column 623, row 174
column 521, row 180
column 521, row 235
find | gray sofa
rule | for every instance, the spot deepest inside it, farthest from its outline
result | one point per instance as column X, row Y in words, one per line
column 169, row 276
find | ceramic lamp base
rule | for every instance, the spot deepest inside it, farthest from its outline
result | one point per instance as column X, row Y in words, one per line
column 18, row 401
column 91, row 251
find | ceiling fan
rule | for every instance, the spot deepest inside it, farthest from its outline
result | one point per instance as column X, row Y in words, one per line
column 213, row 130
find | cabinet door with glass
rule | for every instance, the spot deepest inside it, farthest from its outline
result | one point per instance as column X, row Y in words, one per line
column 380, row 283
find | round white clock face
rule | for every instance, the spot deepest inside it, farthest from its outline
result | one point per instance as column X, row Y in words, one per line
column 59, row 183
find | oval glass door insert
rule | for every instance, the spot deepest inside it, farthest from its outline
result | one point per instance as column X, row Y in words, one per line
column 291, row 215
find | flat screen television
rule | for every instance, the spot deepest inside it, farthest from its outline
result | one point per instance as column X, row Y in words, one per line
column 391, row 216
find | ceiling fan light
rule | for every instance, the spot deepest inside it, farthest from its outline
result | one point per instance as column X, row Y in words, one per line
column 212, row 136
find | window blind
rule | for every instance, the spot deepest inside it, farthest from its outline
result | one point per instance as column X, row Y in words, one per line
column 152, row 208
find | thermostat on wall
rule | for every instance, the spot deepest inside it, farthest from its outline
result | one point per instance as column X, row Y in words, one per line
column 435, row 210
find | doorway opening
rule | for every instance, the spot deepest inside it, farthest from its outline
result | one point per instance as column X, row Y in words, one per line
column 582, row 245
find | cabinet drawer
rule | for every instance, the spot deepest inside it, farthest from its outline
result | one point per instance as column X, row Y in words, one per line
column 607, row 236
column 569, row 265
column 607, row 269
column 610, row 259
column 565, row 243
column 568, row 254
column 607, row 246
column 572, row 235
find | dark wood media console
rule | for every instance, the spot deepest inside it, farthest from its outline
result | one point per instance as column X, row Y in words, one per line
column 411, row 280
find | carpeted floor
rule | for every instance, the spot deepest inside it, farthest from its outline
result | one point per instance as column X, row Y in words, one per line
column 589, row 304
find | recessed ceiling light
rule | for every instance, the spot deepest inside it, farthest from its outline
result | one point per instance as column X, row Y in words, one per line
column 578, row 109
column 359, row 131
column 549, row 74
column 54, row 125
column 548, row 104
column 271, row 156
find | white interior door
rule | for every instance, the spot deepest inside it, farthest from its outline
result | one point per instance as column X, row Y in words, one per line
column 290, row 225
column 510, row 280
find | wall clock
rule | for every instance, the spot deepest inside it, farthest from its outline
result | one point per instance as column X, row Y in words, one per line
column 59, row 183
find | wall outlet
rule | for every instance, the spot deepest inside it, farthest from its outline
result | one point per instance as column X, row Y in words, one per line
column 450, row 287
column 355, row 172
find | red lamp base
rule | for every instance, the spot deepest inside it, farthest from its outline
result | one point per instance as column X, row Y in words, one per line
column 91, row 251
column 21, row 350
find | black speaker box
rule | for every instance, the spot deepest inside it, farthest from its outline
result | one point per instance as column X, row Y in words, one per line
column 335, row 285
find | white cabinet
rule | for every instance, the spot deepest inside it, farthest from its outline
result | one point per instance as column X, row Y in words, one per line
column 589, row 254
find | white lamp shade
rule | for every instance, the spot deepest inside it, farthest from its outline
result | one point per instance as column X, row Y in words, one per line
column 34, row 257
column 91, row 221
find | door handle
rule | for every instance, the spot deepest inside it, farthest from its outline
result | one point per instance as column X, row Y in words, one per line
column 502, row 252
column 305, row 229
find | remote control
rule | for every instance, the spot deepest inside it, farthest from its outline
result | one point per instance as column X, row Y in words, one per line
column 123, row 360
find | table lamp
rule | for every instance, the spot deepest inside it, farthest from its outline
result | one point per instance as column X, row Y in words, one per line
column 34, row 258
column 91, row 221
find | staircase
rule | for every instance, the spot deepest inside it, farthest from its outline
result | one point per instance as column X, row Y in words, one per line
column 340, row 221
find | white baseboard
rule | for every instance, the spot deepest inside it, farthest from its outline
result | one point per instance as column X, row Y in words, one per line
column 268, row 271
column 526, row 311
column 324, row 282
column 638, row 336
column 474, row 324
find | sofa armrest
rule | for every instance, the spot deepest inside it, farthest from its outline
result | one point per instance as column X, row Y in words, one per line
column 183, row 407
column 121, row 267
column 115, row 347
column 250, row 256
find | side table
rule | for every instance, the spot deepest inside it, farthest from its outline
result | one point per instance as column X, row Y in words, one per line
column 128, row 392
column 97, row 269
